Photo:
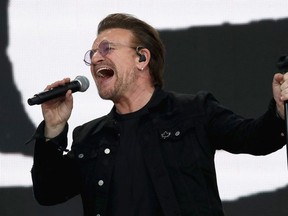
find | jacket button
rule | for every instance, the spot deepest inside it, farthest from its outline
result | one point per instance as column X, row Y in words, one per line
column 107, row 151
column 80, row 156
column 100, row 182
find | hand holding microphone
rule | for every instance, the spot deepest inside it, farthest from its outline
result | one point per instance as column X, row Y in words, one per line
column 58, row 107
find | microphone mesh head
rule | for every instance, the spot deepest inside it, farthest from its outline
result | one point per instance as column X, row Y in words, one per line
column 84, row 83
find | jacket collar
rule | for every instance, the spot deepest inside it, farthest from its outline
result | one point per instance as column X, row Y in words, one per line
column 158, row 104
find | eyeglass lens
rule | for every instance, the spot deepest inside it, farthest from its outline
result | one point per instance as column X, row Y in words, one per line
column 103, row 49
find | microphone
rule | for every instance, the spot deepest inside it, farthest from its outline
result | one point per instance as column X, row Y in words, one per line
column 80, row 83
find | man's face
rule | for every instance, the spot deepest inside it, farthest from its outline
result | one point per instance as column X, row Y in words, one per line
column 114, row 67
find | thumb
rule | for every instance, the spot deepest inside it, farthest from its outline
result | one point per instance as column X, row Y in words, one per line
column 278, row 79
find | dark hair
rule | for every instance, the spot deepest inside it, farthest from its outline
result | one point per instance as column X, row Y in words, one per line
column 145, row 36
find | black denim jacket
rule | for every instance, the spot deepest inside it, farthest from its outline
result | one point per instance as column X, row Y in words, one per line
column 180, row 135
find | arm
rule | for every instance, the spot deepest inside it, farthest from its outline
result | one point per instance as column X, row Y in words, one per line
column 53, row 174
column 235, row 134
column 261, row 136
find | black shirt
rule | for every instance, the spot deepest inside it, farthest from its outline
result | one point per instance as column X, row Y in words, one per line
column 132, row 192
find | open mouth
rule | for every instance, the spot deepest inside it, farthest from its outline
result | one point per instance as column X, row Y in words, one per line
column 105, row 72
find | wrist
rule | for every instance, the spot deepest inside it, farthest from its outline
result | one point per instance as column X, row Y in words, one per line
column 51, row 132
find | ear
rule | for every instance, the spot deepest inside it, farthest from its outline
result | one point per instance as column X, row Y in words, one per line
column 143, row 57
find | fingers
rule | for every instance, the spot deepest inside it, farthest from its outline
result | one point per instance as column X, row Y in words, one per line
column 52, row 103
column 58, row 83
column 283, row 81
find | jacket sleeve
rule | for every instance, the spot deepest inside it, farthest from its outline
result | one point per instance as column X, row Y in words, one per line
column 236, row 134
column 53, row 173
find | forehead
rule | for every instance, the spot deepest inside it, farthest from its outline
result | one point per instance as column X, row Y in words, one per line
column 114, row 35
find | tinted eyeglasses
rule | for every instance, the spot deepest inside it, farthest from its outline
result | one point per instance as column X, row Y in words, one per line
column 103, row 49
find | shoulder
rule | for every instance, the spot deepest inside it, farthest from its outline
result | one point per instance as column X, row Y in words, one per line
column 81, row 131
column 201, row 98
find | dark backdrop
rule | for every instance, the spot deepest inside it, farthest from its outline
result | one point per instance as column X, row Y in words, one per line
column 235, row 62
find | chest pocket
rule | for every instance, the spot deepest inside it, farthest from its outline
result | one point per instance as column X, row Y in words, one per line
column 94, row 160
column 180, row 144
column 83, row 154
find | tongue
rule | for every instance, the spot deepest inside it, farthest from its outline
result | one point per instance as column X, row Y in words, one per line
column 107, row 73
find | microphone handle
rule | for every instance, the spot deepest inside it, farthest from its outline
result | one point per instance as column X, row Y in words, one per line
column 53, row 93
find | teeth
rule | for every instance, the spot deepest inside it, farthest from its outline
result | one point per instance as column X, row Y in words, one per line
column 100, row 69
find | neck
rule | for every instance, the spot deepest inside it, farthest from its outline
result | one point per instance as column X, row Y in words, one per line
column 135, row 100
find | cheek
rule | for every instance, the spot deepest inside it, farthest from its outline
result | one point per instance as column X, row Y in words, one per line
column 124, row 61
column 92, row 72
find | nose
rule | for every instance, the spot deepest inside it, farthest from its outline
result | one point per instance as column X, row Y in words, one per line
column 96, row 57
